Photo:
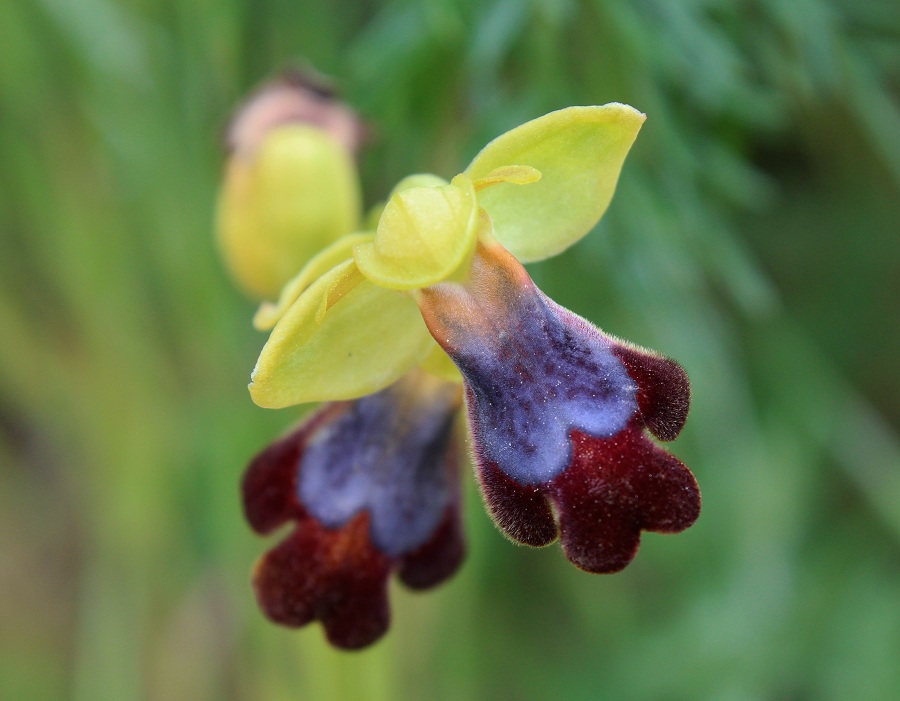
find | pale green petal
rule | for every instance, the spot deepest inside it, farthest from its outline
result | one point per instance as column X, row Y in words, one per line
column 268, row 314
column 424, row 234
column 368, row 339
column 281, row 205
column 579, row 152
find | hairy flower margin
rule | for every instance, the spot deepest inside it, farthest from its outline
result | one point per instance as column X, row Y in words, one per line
column 398, row 327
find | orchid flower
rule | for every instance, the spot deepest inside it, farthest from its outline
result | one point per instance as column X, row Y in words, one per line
column 558, row 411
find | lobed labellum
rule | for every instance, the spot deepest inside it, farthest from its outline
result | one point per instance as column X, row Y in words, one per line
column 372, row 487
column 558, row 410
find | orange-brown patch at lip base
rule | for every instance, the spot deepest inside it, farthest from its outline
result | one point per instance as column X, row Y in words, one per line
column 480, row 306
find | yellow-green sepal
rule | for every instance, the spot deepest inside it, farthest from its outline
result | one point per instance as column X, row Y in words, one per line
column 366, row 340
column 341, row 250
column 579, row 152
column 283, row 203
column 423, row 236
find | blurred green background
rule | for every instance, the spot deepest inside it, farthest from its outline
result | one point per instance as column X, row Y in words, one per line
column 754, row 237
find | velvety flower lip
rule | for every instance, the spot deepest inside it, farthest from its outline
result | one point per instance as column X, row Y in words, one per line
column 530, row 375
column 558, row 411
column 372, row 487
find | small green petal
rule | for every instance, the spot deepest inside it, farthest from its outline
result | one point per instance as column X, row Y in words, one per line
column 579, row 152
column 281, row 205
column 423, row 236
column 366, row 340
column 268, row 314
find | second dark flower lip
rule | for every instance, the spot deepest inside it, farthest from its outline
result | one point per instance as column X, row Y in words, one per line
column 372, row 486
column 558, row 412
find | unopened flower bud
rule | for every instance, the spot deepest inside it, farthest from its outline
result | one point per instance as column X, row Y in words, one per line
column 290, row 185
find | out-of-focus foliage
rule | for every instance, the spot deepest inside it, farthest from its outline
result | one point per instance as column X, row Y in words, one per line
column 753, row 237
